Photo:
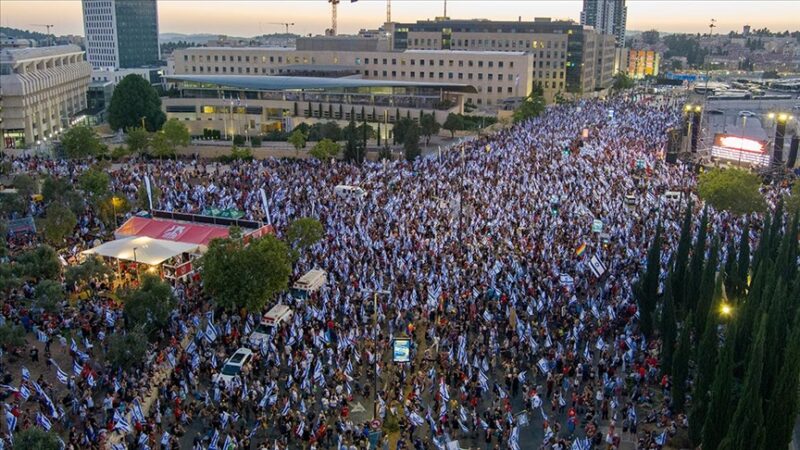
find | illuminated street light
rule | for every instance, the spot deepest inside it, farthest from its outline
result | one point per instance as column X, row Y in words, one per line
column 726, row 310
column 687, row 108
column 698, row 108
column 771, row 115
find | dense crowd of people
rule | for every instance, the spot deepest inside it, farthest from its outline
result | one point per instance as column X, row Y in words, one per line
column 481, row 255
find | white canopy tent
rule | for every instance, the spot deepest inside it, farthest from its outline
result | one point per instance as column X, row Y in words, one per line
column 142, row 249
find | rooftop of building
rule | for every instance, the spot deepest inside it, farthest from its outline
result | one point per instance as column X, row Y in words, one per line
column 23, row 54
column 466, row 52
column 236, row 49
column 281, row 83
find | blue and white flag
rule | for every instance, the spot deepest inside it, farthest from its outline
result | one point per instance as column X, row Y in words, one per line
column 138, row 415
column 43, row 421
column 24, row 392
column 581, row 444
column 26, row 374
column 285, row 409
column 76, row 368
column 443, row 390
column 543, row 365
column 62, row 376
column 521, row 376
column 415, row 419
column 110, row 319
column 11, row 421
column 41, row 336
column 121, row 424
column 661, row 439
column 214, row 441
column 165, row 439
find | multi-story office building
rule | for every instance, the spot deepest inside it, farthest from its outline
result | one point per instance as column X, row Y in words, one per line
column 495, row 75
column 565, row 54
column 43, row 91
column 606, row 16
column 121, row 33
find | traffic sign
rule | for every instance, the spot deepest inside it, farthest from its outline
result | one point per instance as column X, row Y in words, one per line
column 376, row 423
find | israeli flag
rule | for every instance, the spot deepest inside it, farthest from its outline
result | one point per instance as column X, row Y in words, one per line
column 110, row 320
column 62, row 376
column 121, row 424
column 24, row 392
column 521, row 376
column 543, row 365
column 43, row 422
column 41, row 336
column 584, row 444
column 285, row 409
column 443, row 390
column 214, row 440
column 137, row 411
column 661, row 439
column 165, row 439
column 11, row 421
column 415, row 419
column 26, row 374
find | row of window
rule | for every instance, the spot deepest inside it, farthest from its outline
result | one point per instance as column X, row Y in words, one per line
column 432, row 62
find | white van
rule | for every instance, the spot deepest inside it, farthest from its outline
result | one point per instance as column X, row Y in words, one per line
column 349, row 192
column 309, row 283
column 273, row 318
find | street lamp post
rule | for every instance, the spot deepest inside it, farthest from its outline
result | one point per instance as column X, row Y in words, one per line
column 375, row 342
column 136, row 264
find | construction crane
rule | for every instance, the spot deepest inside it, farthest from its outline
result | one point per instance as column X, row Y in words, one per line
column 334, row 4
column 285, row 24
column 45, row 26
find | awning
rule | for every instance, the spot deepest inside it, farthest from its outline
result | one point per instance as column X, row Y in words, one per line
column 169, row 230
column 143, row 249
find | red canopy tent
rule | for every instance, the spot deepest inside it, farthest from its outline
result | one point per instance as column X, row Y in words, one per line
column 170, row 230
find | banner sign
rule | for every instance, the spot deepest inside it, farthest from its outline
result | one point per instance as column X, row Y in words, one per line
column 401, row 350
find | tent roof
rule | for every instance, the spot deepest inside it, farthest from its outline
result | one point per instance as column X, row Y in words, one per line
column 169, row 230
column 148, row 250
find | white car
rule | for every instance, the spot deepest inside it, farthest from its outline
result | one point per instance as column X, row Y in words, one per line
column 234, row 365
column 747, row 114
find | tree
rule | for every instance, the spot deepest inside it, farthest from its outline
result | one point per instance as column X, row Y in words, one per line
column 48, row 295
column 161, row 147
column 126, row 350
column 60, row 190
column 695, row 273
column 453, row 123
column 682, row 257
column 531, row 106
column 94, row 183
column 351, row 149
column 12, row 203
column 325, row 149
column 680, row 367
column 743, row 262
column 304, row 232
column 25, row 185
column 650, row 37
column 646, row 290
column 142, row 201
column 793, row 202
column 58, row 222
column 92, row 268
column 176, row 133
column 784, row 402
column 731, row 190
column 148, row 307
column 133, row 99
column 667, row 328
column 40, row 263
column 298, row 140
column 622, row 82
column 721, row 399
column 81, row 142
column 138, row 140
column 428, row 126
column 236, row 277
column 411, row 142
column 746, row 430
column 110, row 207
column 11, row 336
column 706, row 362
column 35, row 438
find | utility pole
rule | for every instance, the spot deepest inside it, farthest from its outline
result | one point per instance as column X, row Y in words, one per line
column 49, row 42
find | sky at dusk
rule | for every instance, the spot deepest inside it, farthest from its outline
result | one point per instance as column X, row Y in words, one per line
column 248, row 18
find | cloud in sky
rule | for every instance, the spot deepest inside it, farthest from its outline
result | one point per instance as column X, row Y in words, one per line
column 248, row 18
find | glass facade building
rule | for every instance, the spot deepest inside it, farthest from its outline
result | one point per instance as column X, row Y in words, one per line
column 121, row 34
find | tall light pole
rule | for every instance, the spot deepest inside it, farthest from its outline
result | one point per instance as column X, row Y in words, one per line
column 375, row 329
column 136, row 264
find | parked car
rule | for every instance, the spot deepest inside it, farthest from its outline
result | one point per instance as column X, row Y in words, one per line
column 747, row 114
